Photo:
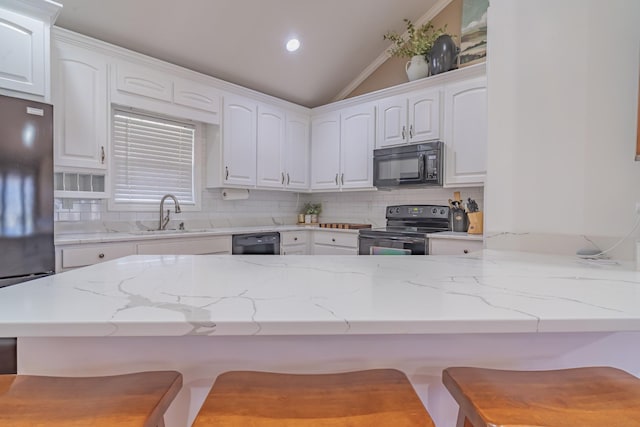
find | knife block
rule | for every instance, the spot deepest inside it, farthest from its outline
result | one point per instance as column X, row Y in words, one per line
column 475, row 223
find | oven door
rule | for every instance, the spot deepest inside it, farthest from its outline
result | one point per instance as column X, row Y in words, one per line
column 256, row 244
column 392, row 245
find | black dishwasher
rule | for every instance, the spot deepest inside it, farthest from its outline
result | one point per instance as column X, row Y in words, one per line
column 256, row 244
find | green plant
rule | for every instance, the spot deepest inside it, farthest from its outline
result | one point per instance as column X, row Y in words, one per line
column 312, row 208
column 419, row 41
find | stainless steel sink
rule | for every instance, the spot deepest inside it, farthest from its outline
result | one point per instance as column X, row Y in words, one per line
column 167, row 231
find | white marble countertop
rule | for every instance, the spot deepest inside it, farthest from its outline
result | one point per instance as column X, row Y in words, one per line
column 105, row 237
column 491, row 292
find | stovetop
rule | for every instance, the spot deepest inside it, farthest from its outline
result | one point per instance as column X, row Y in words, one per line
column 414, row 220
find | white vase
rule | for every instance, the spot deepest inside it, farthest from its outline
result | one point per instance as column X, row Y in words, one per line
column 417, row 68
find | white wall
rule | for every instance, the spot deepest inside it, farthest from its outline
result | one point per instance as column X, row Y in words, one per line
column 563, row 93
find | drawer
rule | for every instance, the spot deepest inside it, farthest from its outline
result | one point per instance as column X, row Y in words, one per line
column 208, row 245
column 293, row 237
column 336, row 239
column 453, row 247
column 92, row 254
column 319, row 249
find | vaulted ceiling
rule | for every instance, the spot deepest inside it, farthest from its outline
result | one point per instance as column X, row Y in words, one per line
column 243, row 41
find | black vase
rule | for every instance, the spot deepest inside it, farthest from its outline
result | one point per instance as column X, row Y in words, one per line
column 443, row 55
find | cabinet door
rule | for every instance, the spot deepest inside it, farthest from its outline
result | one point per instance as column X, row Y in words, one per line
column 424, row 116
column 296, row 153
column 79, row 97
column 22, row 53
column 465, row 132
column 270, row 147
column 356, row 147
column 196, row 95
column 325, row 152
column 239, row 141
column 392, row 122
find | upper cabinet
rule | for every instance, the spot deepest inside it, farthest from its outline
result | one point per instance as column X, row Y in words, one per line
column 239, row 141
column 465, row 132
column 407, row 119
column 270, row 147
column 296, row 152
column 24, row 47
column 79, row 97
column 342, row 149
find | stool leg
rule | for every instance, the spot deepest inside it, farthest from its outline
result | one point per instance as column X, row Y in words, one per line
column 463, row 421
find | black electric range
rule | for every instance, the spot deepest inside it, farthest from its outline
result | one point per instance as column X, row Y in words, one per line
column 406, row 230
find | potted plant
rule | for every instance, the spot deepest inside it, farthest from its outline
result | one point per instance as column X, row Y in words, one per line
column 416, row 46
column 315, row 211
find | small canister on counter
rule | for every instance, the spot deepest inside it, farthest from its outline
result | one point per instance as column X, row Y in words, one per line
column 459, row 220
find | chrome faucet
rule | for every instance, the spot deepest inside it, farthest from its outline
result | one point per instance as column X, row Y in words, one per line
column 164, row 221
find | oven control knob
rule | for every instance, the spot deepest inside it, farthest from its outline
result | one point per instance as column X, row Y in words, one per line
column 397, row 210
column 390, row 211
column 441, row 211
column 434, row 210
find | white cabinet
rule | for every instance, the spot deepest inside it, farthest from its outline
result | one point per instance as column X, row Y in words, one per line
column 81, row 108
column 325, row 152
column 357, row 137
column 296, row 152
column 294, row 242
column 407, row 119
column 342, row 149
column 186, row 246
column 270, row 147
column 335, row 243
column 82, row 255
column 239, row 141
column 196, row 95
column 465, row 132
column 453, row 247
column 282, row 149
column 144, row 81
column 23, row 53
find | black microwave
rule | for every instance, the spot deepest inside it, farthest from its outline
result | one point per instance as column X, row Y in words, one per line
column 408, row 165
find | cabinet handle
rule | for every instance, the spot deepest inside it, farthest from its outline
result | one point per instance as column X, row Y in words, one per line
column 466, row 251
column 336, row 179
column 404, row 132
column 342, row 178
column 226, row 174
column 295, row 239
column 102, row 154
column 333, row 239
column 411, row 132
column 282, row 174
column 100, row 255
column 288, row 180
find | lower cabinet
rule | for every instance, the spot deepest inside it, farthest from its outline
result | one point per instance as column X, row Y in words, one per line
column 294, row 242
column 453, row 247
column 189, row 246
column 334, row 243
column 82, row 255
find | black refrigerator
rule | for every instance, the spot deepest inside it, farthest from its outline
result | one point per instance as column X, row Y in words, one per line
column 26, row 190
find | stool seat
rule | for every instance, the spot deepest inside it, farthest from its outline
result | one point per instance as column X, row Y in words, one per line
column 380, row 397
column 584, row 397
column 131, row 400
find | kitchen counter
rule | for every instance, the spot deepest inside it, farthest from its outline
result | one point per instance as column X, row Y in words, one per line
column 455, row 235
column 203, row 315
column 494, row 292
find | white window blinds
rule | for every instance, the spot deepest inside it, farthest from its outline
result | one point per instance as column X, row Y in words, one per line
column 152, row 156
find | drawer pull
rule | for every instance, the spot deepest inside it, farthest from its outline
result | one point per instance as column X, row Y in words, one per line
column 100, row 255
column 295, row 239
column 333, row 239
column 466, row 251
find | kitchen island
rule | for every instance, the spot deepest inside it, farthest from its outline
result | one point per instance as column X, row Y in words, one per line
column 203, row 315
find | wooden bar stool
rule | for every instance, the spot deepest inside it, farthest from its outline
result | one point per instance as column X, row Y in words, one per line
column 131, row 400
column 380, row 397
column 582, row 397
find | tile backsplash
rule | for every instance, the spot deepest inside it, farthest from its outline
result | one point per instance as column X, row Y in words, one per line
column 261, row 208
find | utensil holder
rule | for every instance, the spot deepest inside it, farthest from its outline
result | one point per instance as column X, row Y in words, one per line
column 459, row 220
column 475, row 223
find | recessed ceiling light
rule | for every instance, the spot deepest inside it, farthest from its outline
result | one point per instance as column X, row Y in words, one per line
column 293, row 45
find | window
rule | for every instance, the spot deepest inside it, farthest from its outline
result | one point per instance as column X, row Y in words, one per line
column 152, row 156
